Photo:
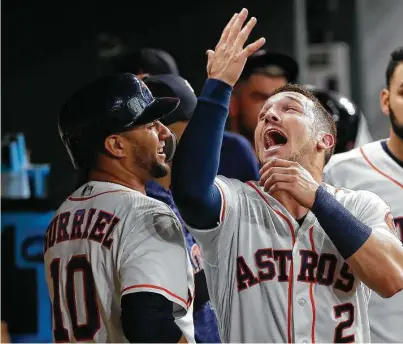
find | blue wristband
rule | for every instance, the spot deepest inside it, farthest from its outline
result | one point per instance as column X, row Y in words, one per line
column 347, row 233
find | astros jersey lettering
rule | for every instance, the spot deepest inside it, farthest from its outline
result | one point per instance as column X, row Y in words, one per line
column 272, row 280
column 105, row 241
column 372, row 168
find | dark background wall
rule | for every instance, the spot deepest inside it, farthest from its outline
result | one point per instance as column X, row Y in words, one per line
column 51, row 48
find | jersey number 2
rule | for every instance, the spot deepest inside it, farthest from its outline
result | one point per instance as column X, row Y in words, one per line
column 82, row 332
column 339, row 310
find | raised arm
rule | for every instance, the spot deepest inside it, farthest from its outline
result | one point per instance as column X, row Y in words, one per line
column 197, row 158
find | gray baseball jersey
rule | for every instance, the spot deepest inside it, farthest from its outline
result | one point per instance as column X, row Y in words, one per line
column 106, row 241
column 371, row 168
column 272, row 280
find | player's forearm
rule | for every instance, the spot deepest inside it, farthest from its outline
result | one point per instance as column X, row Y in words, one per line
column 197, row 157
column 379, row 264
column 373, row 257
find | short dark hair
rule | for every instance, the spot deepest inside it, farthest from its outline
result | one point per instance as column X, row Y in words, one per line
column 396, row 58
column 324, row 120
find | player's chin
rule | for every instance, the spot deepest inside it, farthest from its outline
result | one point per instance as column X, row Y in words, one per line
column 159, row 169
column 281, row 152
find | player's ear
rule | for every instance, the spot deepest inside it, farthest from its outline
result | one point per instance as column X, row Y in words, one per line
column 325, row 141
column 384, row 100
column 114, row 145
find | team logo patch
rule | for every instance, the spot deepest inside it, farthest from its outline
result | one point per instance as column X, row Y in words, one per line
column 390, row 222
column 136, row 104
column 87, row 190
column 166, row 227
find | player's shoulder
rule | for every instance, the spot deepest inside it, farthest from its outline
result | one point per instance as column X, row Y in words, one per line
column 234, row 138
column 356, row 154
column 140, row 205
column 236, row 141
column 231, row 184
column 342, row 158
column 118, row 199
column 354, row 198
column 245, row 190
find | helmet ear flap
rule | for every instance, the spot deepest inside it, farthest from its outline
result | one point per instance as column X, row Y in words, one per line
column 170, row 147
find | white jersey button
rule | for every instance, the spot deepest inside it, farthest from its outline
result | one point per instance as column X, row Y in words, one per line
column 301, row 302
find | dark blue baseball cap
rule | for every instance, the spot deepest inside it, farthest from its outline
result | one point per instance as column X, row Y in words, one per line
column 173, row 86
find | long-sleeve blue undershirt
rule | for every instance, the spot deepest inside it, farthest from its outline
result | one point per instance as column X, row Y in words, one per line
column 197, row 157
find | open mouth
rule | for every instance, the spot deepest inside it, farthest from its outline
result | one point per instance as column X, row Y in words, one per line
column 160, row 151
column 274, row 138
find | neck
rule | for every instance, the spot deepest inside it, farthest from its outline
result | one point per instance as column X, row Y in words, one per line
column 395, row 145
column 165, row 182
column 130, row 181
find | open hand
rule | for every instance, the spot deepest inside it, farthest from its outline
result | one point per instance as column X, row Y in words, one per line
column 283, row 175
column 227, row 61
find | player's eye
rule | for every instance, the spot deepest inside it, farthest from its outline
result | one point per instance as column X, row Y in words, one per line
column 290, row 108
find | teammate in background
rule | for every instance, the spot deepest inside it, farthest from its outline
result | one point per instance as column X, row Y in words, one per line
column 170, row 85
column 290, row 259
column 263, row 73
column 378, row 167
column 145, row 62
column 352, row 129
column 116, row 262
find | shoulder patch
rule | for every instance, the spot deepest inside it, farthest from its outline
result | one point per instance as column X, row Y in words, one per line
column 390, row 222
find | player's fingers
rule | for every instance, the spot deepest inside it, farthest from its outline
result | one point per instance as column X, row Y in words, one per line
column 237, row 26
column 226, row 30
column 271, row 163
column 245, row 32
column 210, row 55
column 252, row 48
column 280, row 186
column 277, row 178
column 276, row 162
column 276, row 170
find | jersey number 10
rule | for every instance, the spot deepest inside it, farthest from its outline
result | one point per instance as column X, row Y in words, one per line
column 81, row 332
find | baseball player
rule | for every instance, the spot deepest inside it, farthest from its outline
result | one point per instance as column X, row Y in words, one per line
column 116, row 262
column 378, row 167
column 288, row 259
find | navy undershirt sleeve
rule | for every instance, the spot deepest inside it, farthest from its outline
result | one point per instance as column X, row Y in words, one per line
column 147, row 318
column 197, row 158
column 347, row 233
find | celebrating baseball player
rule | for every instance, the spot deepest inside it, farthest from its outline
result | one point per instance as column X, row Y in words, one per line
column 378, row 167
column 116, row 262
column 287, row 259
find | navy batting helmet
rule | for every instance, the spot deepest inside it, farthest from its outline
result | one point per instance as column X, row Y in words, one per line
column 107, row 106
column 345, row 113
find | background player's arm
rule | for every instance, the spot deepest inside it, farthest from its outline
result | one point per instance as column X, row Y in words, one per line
column 198, row 155
column 153, row 276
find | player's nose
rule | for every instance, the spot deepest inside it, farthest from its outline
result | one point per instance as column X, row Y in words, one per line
column 163, row 131
column 272, row 116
